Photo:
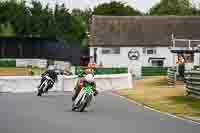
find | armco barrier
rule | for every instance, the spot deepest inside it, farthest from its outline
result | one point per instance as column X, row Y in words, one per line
column 171, row 76
column 193, row 82
column 21, row 84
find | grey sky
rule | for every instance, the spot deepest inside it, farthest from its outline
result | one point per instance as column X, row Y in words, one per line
column 142, row 5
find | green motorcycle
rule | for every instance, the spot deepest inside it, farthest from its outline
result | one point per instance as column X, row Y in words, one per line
column 84, row 98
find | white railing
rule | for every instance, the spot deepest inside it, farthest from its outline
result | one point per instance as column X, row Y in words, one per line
column 183, row 40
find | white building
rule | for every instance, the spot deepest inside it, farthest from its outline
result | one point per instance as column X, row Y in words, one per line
column 113, row 37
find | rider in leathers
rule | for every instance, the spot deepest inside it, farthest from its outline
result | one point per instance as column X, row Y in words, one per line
column 52, row 74
column 81, row 82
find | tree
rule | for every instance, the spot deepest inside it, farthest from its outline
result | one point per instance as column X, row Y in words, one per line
column 84, row 15
column 7, row 30
column 42, row 22
column 115, row 9
column 173, row 7
column 196, row 11
column 81, row 24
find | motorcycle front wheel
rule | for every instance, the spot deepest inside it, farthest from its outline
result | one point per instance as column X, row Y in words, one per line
column 84, row 104
column 40, row 90
column 73, row 107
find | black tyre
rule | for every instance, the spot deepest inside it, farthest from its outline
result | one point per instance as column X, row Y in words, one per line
column 40, row 91
column 77, row 105
column 73, row 107
column 83, row 104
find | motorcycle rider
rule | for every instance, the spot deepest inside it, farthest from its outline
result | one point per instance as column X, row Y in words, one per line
column 86, row 76
column 50, row 73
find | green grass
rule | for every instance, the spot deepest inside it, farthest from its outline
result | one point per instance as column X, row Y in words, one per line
column 160, row 83
column 155, row 93
column 189, row 101
column 19, row 71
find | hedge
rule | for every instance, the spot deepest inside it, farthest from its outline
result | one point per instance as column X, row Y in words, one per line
column 7, row 63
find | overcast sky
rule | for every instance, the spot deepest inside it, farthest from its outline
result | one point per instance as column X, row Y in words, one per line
column 142, row 5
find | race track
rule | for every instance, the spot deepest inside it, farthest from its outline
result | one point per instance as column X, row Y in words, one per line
column 27, row 113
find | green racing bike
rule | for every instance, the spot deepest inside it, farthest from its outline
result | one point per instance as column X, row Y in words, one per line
column 84, row 98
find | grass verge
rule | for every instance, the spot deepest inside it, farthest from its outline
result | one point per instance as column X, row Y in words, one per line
column 19, row 71
column 155, row 92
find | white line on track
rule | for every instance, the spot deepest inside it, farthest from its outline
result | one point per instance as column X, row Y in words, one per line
column 149, row 108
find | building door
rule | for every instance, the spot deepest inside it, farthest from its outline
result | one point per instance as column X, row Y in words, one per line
column 95, row 55
column 159, row 63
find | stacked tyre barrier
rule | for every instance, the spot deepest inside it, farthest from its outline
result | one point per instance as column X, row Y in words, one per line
column 171, row 76
column 154, row 71
column 193, row 83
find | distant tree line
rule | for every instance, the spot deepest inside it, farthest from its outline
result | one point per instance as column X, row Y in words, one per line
column 16, row 19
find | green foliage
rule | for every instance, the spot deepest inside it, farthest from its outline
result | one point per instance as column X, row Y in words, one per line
column 7, row 63
column 81, row 20
column 39, row 22
column 15, row 18
column 173, row 7
column 115, row 9
column 7, row 30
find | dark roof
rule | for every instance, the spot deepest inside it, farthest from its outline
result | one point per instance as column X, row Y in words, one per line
column 142, row 30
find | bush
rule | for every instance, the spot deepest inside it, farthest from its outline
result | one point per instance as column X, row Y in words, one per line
column 31, row 72
column 7, row 63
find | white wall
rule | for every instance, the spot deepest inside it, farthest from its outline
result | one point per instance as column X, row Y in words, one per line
column 34, row 62
column 122, row 60
column 41, row 63
column 196, row 58
column 21, row 84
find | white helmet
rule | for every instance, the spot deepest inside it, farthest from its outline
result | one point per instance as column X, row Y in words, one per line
column 89, row 78
column 51, row 67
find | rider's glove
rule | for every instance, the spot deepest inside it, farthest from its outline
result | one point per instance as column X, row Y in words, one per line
column 96, row 93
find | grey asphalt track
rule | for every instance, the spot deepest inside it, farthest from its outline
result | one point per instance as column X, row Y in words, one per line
column 27, row 113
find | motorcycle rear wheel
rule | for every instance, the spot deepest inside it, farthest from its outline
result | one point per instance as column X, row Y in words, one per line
column 84, row 104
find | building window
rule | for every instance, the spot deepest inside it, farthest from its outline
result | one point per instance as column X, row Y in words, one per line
column 159, row 63
column 149, row 51
column 111, row 50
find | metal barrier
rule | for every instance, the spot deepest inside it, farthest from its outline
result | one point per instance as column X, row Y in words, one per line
column 193, row 82
column 171, row 76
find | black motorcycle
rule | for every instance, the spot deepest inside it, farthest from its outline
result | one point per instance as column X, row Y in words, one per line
column 45, row 85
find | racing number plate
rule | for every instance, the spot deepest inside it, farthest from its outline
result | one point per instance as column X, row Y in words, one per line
column 88, row 89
